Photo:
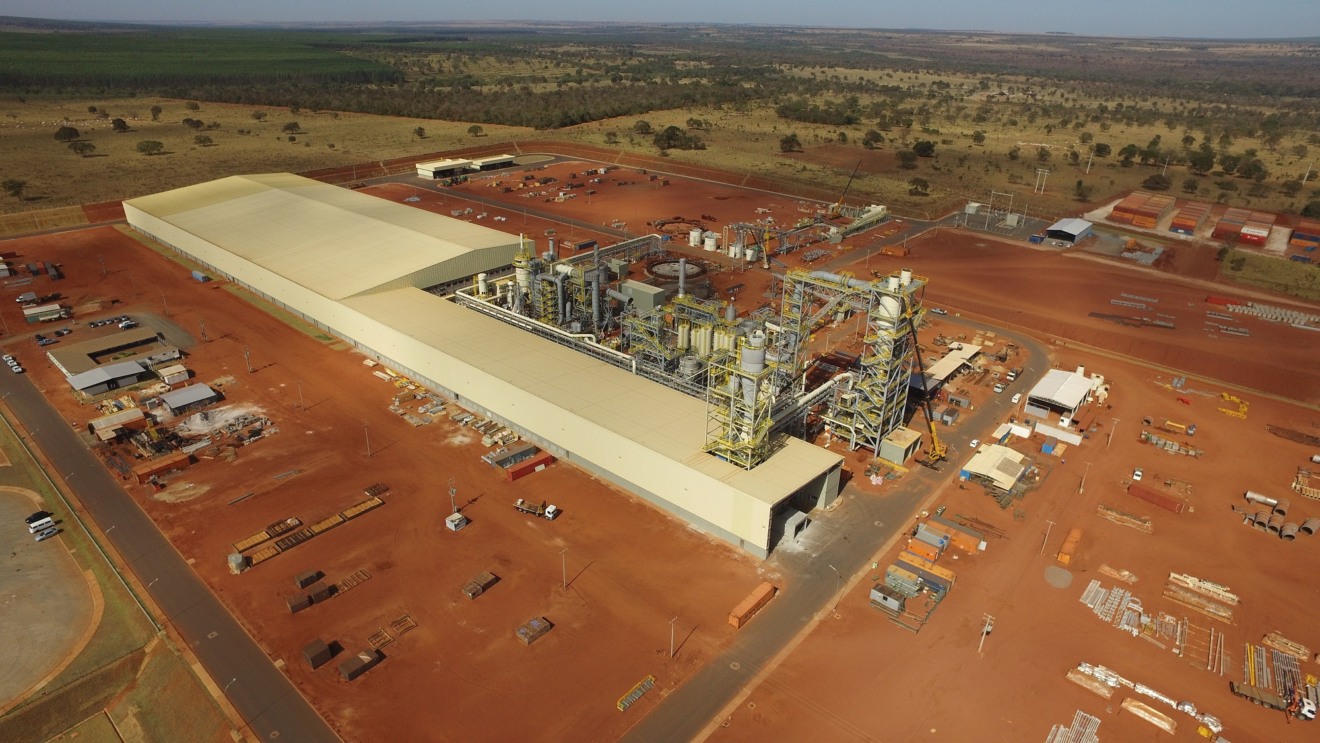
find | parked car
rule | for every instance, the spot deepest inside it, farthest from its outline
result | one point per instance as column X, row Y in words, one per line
column 1136, row 475
column 16, row 369
column 999, row 387
column 1017, row 398
column 939, row 310
column 47, row 533
column 8, row 359
column 127, row 325
column 63, row 331
column 974, row 443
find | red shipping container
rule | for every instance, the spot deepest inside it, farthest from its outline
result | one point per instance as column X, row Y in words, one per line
column 743, row 612
column 1167, row 502
column 530, row 466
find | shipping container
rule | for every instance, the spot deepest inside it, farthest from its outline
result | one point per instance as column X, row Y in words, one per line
column 921, row 549
column 1167, row 502
column 479, row 584
column 317, row 653
column 359, row 663
column 530, row 466
column 964, row 538
column 932, row 581
column 924, row 567
column 1070, row 546
column 174, row 461
column 755, row 601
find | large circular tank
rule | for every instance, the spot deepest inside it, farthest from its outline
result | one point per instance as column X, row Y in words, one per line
column 668, row 270
column 711, row 241
column 890, row 309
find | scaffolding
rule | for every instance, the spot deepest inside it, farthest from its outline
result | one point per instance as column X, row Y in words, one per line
column 873, row 405
column 739, row 400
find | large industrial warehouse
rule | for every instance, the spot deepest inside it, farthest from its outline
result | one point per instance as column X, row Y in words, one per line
column 359, row 267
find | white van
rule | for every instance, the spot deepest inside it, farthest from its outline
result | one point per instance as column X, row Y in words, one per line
column 37, row 526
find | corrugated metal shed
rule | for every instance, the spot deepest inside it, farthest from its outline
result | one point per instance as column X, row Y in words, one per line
column 185, row 397
column 1062, row 388
column 334, row 241
column 107, row 373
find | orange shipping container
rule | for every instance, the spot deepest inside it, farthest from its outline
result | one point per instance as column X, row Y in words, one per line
column 1070, row 546
column 744, row 611
column 923, row 550
column 929, row 566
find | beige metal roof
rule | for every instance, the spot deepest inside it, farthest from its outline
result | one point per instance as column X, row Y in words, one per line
column 999, row 463
column 335, row 241
column 668, row 423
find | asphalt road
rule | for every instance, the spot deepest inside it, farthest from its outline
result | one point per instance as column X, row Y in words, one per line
column 840, row 544
column 263, row 696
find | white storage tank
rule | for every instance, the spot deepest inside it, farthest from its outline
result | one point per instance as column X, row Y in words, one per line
column 694, row 237
column 712, row 241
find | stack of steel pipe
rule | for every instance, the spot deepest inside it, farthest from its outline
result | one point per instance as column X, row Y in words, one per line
column 1281, row 508
column 1311, row 526
column 1274, row 524
column 1288, row 532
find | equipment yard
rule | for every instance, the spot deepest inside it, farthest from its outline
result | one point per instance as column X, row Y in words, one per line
column 359, row 525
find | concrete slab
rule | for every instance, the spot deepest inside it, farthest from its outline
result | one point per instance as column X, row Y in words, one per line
column 44, row 603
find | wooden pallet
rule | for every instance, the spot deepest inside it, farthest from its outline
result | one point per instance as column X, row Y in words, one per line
column 372, row 491
column 352, row 580
column 380, row 638
column 403, row 625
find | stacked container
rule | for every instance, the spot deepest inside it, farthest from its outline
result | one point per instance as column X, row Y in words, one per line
column 1190, row 218
column 1306, row 235
column 1229, row 227
column 1256, row 230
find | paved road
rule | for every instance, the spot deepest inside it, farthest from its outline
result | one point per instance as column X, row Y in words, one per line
column 262, row 694
column 840, row 545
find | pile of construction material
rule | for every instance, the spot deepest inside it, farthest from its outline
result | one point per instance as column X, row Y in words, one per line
column 1271, row 517
column 1212, row 599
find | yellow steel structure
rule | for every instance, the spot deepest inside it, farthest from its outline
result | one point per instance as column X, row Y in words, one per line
column 874, row 404
column 739, row 399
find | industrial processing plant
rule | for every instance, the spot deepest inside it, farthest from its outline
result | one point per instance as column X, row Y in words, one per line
column 677, row 398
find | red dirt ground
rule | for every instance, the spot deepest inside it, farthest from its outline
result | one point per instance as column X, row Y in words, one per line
column 611, row 625
column 858, row 677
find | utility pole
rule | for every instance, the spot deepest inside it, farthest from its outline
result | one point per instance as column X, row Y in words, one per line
column 1307, row 177
column 1111, row 433
column 671, row 636
column 247, row 359
column 1049, row 526
column 203, row 323
column 1165, row 169
column 986, row 629
column 165, row 306
column 452, row 491
column 1089, row 158
column 1081, row 487
column 367, row 435
column 838, row 582
column 101, row 258
column 301, row 404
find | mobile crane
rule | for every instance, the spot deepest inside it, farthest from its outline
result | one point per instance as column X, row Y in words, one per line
column 937, row 452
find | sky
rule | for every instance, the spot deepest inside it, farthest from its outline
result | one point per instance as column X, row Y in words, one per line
column 1228, row 19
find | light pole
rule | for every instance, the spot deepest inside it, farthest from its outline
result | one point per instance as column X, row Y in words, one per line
column 671, row 636
column 563, row 557
column 203, row 324
column 152, row 583
column 301, row 404
column 1111, row 433
column 452, row 491
column 367, row 435
column 112, row 528
column 838, row 580
column 247, row 359
column 231, row 683
column 1081, row 487
column 165, row 306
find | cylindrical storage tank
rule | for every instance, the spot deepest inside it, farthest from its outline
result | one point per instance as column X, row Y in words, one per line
column 1288, row 532
column 905, row 277
column 890, row 309
column 483, row 289
column 892, row 283
column 694, row 237
column 689, row 366
column 1081, row 371
column 749, row 254
column 1254, row 497
column 1274, row 524
column 551, row 249
column 1281, row 508
column 734, row 250
column 711, row 243
column 1311, row 526
column 684, row 336
column 1315, row 458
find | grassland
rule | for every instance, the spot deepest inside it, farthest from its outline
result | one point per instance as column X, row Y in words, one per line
column 123, row 665
column 1287, row 277
column 137, row 59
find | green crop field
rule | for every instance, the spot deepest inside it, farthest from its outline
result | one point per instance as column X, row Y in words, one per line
column 158, row 58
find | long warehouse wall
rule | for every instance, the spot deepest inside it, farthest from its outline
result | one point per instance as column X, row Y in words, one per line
column 705, row 501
